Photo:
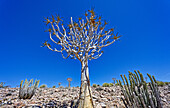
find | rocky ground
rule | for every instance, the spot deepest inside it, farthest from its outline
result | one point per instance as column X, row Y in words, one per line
column 103, row 97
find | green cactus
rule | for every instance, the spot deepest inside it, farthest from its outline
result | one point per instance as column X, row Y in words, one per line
column 137, row 93
column 27, row 90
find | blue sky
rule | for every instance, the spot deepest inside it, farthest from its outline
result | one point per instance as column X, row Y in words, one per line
column 144, row 46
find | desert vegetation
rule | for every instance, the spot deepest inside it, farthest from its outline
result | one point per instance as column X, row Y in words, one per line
column 137, row 94
column 82, row 40
column 132, row 92
column 43, row 86
column 54, row 86
column 28, row 88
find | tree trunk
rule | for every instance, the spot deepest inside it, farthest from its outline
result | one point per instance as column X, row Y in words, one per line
column 69, row 84
column 85, row 98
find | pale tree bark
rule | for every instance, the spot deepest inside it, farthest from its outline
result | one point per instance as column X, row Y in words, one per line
column 85, row 98
column 69, row 84
column 69, row 81
column 82, row 40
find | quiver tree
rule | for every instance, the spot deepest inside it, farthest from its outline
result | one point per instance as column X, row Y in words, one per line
column 82, row 40
column 59, row 84
column 69, row 80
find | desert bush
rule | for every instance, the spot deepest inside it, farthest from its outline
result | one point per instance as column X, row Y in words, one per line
column 160, row 83
column 137, row 94
column 8, row 86
column 61, row 87
column 111, row 84
column 66, row 87
column 27, row 90
column 117, row 84
column 94, row 85
column 166, row 83
column 43, row 86
column 54, row 86
column 106, row 85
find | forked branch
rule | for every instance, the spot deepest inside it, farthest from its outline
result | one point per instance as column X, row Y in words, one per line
column 82, row 39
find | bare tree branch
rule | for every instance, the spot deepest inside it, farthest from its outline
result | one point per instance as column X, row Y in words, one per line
column 84, row 38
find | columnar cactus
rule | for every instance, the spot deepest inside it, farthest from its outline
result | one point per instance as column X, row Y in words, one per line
column 137, row 94
column 27, row 90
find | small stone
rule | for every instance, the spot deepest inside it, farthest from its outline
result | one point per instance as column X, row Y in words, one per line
column 103, row 105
